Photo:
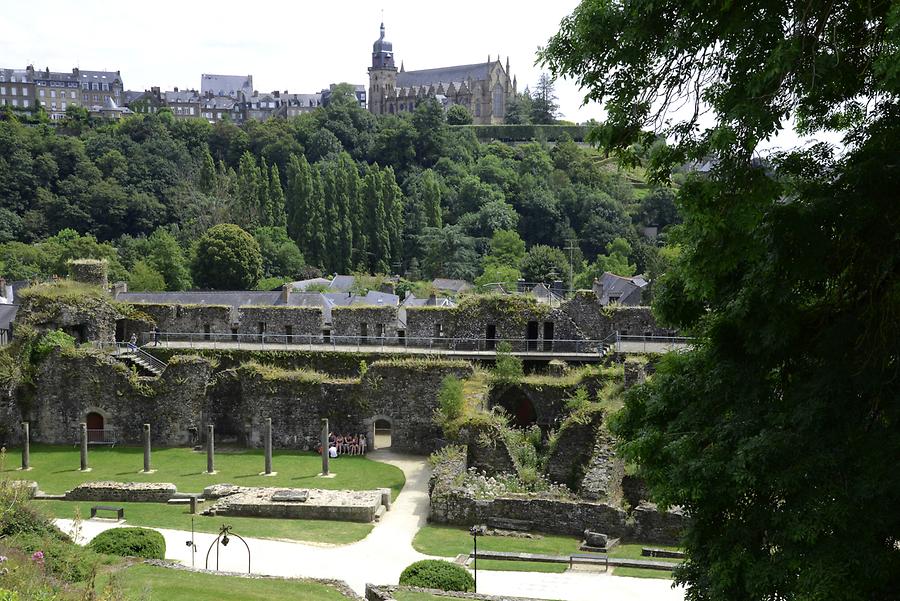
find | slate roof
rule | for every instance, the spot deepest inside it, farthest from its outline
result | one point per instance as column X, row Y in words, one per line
column 304, row 284
column 478, row 71
column 342, row 283
column 455, row 286
column 181, row 96
column 226, row 85
column 615, row 288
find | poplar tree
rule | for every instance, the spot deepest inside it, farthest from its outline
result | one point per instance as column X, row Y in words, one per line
column 247, row 189
column 315, row 226
column 298, row 200
column 276, row 199
column 207, row 177
column 431, row 195
column 392, row 197
column 263, row 208
column 378, row 236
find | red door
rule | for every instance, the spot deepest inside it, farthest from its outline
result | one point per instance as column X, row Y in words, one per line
column 94, row 427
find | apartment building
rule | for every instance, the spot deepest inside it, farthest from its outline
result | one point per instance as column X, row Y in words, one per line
column 16, row 89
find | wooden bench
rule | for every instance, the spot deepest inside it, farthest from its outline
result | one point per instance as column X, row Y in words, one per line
column 588, row 558
column 120, row 511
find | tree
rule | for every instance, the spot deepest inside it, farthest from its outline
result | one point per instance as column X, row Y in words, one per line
column 248, row 185
column 227, row 258
column 377, row 235
column 783, row 422
column 450, row 253
column 544, row 264
column 165, row 256
column 495, row 273
column 458, row 115
column 544, row 108
column 431, row 197
column 431, row 130
column 614, row 261
column 207, row 175
column 144, row 278
column 518, row 109
column 299, row 200
column 276, row 199
column 280, row 255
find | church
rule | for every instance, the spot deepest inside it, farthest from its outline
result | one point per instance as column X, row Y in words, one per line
column 483, row 88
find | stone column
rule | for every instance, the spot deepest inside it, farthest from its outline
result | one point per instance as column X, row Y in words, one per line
column 26, row 446
column 84, row 447
column 268, row 446
column 147, row 448
column 210, row 449
column 324, row 446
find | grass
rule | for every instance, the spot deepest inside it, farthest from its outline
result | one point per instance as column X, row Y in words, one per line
column 55, row 468
column 178, row 517
column 450, row 541
column 151, row 583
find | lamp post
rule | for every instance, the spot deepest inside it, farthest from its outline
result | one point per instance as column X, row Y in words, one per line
column 223, row 536
column 476, row 531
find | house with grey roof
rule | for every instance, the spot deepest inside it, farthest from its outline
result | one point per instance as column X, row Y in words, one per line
column 612, row 288
column 233, row 86
column 451, row 286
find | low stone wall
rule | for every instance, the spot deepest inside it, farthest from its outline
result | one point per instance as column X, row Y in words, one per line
column 189, row 318
column 605, row 471
column 341, row 505
column 572, row 450
column 387, row 592
column 123, row 492
column 451, row 503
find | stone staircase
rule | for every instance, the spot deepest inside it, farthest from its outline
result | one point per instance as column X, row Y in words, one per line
column 145, row 363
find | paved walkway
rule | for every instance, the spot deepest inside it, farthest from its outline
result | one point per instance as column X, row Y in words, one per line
column 381, row 556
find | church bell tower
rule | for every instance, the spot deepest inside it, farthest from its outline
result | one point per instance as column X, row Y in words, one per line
column 382, row 74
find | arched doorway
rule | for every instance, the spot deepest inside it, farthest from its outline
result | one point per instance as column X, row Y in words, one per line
column 519, row 407
column 382, row 433
column 94, row 426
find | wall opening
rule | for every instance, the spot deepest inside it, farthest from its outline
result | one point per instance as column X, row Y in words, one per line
column 520, row 408
column 490, row 337
column 548, row 335
column 364, row 332
column 382, row 433
column 532, row 336
column 94, row 426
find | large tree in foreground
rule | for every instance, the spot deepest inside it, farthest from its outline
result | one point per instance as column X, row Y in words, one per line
column 780, row 431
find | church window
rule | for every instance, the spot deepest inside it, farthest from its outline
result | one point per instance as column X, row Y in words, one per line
column 499, row 98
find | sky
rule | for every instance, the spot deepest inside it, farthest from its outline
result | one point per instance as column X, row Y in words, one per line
column 299, row 47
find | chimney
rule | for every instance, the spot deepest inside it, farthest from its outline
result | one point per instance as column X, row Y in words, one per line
column 119, row 288
column 432, row 299
column 557, row 288
column 521, row 286
column 286, row 293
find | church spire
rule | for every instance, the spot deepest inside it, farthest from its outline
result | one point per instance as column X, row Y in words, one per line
column 507, row 64
column 402, row 68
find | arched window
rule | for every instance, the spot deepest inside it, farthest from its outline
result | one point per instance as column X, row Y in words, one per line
column 499, row 101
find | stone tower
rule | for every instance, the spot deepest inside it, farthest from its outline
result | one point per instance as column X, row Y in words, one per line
column 382, row 74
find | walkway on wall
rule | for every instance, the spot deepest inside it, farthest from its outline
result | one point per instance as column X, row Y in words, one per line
column 381, row 556
column 578, row 351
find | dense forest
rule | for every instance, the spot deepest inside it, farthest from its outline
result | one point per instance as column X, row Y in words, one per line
column 333, row 190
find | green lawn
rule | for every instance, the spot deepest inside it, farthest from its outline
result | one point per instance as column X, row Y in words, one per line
column 150, row 583
column 178, row 517
column 55, row 468
column 450, row 541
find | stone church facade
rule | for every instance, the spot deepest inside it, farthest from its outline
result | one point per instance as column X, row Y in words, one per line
column 485, row 89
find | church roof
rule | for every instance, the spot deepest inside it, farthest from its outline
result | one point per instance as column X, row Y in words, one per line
column 478, row 71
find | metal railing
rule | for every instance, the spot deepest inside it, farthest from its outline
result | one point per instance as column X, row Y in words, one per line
column 101, row 436
column 321, row 342
column 650, row 343
column 126, row 348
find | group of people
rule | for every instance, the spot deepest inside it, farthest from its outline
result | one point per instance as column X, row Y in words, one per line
column 345, row 445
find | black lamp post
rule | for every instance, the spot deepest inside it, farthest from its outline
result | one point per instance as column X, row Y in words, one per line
column 476, row 531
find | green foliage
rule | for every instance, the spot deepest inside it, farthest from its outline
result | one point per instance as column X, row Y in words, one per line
column 145, row 278
column 50, row 341
column 615, row 261
column 528, row 132
column 280, row 254
column 508, row 368
column 786, row 272
column 227, row 258
column 458, row 115
column 545, row 264
column 451, row 401
column 130, row 542
column 167, row 258
column 437, row 574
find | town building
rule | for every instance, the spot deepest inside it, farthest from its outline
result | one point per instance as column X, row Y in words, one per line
column 146, row 102
column 231, row 86
column 485, row 89
column 16, row 89
column 185, row 104
column 616, row 289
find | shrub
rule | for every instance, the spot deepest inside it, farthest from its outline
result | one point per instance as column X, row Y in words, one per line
column 434, row 573
column 130, row 542
column 48, row 342
column 507, row 368
column 61, row 557
column 451, row 399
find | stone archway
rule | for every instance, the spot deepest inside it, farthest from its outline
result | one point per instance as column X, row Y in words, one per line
column 380, row 432
column 95, row 426
column 522, row 413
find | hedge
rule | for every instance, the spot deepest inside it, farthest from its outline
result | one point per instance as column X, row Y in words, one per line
column 437, row 574
column 130, row 542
